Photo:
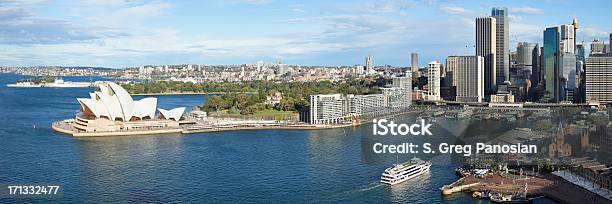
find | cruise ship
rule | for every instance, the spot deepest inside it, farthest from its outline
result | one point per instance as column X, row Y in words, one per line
column 24, row 84
column 405, row 171
column 60, row 83
column 57, row 83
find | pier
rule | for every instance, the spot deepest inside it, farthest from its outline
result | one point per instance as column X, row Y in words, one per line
column 550, row 185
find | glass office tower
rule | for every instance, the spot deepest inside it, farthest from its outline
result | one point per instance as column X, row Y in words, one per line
column 551, row 64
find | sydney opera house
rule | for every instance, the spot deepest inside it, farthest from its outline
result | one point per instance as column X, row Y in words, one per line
column 112, row 111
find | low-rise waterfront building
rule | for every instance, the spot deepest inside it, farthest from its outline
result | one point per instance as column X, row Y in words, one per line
column 359, row 105
column 327, row 108
column 338, row 108
column 502, row 98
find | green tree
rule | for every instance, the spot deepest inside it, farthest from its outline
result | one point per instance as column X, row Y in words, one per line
column 214, row 103
column 287, row 104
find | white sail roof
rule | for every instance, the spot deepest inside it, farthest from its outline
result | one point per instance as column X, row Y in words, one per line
column 174, row 114
column 114, row 102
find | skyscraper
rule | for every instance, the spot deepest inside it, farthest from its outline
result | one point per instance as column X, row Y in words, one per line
column 414, row 62
column 597, row 47
column 598, row 83
column 551, row 64
column 575, row 25
column 567, row 82
column 469, row 75
column 433, row 81
column 580, row 53
column 451, row 66
column 404, row 86
column 526, row 59
column 501, row 31
column 568, row 39
column 581, row 79
column 536, row 67
column 369, row 65
column 486, row 47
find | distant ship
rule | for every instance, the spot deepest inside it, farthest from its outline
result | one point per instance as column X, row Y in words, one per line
column 57, row 83
column 60, row 83
column 24, row 84
column 405, row 171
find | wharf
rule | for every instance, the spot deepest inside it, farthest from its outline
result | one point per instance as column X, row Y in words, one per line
column 549, row 185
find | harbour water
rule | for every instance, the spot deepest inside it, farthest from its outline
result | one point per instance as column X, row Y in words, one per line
column 264, row 166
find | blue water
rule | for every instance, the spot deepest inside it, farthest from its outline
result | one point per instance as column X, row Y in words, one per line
column 267, row 166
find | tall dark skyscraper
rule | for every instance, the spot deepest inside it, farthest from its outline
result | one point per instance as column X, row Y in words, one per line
column 503, row 58
column 485, row 47
column 551, row 64
column 580, row 62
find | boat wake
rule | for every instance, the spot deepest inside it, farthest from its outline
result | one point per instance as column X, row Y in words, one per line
column 364, row 188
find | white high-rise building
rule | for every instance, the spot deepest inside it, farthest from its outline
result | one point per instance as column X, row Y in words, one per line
column 469, row 77
column 433, row 81
column 369, row 65
column 282, row 69
column 568, row 39
column 402, row 87
column 486, row 46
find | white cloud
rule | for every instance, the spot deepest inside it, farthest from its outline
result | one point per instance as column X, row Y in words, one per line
column 526, row 10
column 151, row 9
column 514, row 18
column 456, row 10
column 525, row 32
column 103, row 2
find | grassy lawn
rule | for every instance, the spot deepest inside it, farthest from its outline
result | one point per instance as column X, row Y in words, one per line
column 223, row 113
column 273, row 112
column 269, row 112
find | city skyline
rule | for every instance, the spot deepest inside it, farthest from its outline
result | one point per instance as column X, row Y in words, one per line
column 133, row 33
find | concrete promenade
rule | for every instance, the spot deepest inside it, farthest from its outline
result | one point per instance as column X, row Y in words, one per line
column 588, row 185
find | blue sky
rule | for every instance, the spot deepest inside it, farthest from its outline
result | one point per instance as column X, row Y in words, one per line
column 122, row 33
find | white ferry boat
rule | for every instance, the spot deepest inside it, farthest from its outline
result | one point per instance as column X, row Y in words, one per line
column 405, row 171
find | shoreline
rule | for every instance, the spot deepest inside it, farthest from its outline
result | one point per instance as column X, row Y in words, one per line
column 183, row 93
column 66, row 128
column 267, row 128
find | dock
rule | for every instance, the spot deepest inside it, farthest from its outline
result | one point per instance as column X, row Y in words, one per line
column 549, row 185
